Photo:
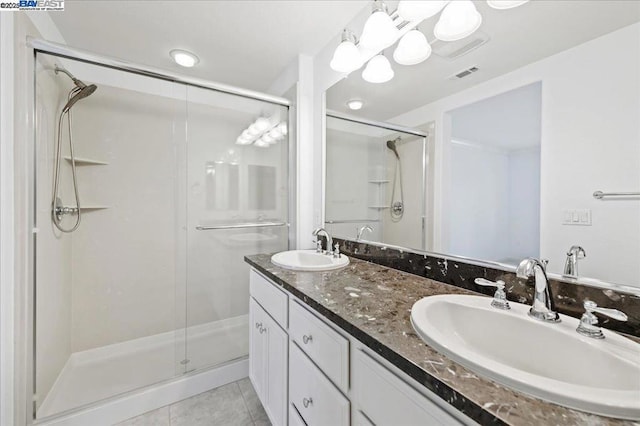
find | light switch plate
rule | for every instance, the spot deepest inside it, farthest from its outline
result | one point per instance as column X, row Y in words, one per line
column 579, row 217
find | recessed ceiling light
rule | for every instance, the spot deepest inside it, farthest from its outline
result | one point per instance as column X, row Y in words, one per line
column 184, row 58
column 355, row 104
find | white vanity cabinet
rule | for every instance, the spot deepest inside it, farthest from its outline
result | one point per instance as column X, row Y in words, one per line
column 268, row 351
column 308, row 372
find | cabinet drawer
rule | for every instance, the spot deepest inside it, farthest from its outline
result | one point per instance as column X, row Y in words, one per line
column 271, row 298
column 385, row 399
column 317, row 400
column 328, row 349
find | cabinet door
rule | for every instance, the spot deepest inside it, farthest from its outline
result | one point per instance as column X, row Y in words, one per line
column 257, row 349
column 276, row 350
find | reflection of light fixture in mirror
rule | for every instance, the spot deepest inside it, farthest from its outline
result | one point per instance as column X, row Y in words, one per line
column 184, row 58
column 253, row 130
column 418, row 10
column 283, row 128
column 378, row 70
column 261, row 144
column 267, row 138
column 262, row 124
column 379, row 32
column 242, row 140
column 355, row 104
column 412, row 49
column 458, row 20
column 346, row 57
column 505, row 4
column 275, row 133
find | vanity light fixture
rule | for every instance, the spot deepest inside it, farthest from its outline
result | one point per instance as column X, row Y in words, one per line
column 378, row 70
column 412, row 48
column 355, row 104
column 184, row 58
column 346, row 57
column 261, row 143
column 262, row 133
column 458, row 20
column 505, row 4
column 419, row 10
column 379, row 31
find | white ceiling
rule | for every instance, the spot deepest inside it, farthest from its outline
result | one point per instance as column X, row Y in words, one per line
column 509, row 121
column 242, row 43
column 519, row 36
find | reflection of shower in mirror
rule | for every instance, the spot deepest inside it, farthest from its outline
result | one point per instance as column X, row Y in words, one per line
column 397, row 205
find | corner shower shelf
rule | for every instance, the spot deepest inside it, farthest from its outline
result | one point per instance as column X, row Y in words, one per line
column 378, row 181
column 379, row 207
column 86, row 161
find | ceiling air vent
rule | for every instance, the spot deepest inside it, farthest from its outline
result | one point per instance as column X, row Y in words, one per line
column 455, row 49
column 463, row 74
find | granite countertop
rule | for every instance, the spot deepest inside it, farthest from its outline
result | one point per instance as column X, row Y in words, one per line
column 373, row 304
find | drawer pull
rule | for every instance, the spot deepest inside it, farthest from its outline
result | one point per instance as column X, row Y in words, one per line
column 306, row 339
column 258, row 325
column 307, row 402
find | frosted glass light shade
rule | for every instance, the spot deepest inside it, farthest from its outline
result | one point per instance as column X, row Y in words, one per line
column 412, row 49
column 505, row 4
column 378, row 70
column 242, row 140
column 417, row 10
column 262, row 124
column 275, row 133
column 457, row 21
column 261, row 144
column 346, row 57
column 379, row 31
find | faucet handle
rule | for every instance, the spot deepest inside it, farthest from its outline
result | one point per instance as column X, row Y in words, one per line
column 336, row 251
column 500, row 297
column 318, row 245
column 589, row 322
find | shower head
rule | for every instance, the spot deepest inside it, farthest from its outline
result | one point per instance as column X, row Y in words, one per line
column 392, row 146
column 80, row 92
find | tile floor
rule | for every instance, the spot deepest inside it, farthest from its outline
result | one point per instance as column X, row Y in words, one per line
column 235, row 404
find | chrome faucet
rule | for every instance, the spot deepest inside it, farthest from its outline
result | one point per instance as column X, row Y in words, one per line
column 361, row 231
column 320, row 232
column 543, row 308
column 574, row 254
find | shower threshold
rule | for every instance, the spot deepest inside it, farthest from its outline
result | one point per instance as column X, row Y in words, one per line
column 104, row 372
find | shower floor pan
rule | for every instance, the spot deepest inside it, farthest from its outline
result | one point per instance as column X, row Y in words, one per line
column 108, row 371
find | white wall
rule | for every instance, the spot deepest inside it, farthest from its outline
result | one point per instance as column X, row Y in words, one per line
column 587, row 100
column 53, row 249
column 478, row 209
column 524, row 204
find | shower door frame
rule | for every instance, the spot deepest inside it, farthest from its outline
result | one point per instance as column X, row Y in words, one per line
column 28, row 374
column 387, row 126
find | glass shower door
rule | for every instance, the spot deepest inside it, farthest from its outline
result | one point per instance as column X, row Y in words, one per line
column 237, row 204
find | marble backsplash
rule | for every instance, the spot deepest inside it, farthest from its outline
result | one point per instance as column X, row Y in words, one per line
column 568, row 297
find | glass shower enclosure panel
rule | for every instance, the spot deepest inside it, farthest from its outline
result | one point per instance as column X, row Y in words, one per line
column 237, row 204
column 375, row 178
column 110, row 296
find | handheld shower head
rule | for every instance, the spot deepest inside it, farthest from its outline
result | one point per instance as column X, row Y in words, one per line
column 392, row 146
column 81, row 91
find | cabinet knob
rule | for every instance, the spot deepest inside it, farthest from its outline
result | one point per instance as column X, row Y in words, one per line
column 306, row 339
column 307, row 402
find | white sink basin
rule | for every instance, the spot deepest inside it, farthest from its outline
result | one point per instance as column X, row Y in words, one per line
column 549, row 361
column 308, row 260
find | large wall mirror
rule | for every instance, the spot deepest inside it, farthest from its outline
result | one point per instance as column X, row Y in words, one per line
column 495, row 147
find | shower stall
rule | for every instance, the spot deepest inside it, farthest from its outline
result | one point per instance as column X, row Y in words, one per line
column 376, row 176
column 150, row 285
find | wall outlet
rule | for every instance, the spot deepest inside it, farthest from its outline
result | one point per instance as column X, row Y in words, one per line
column 580, row 217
